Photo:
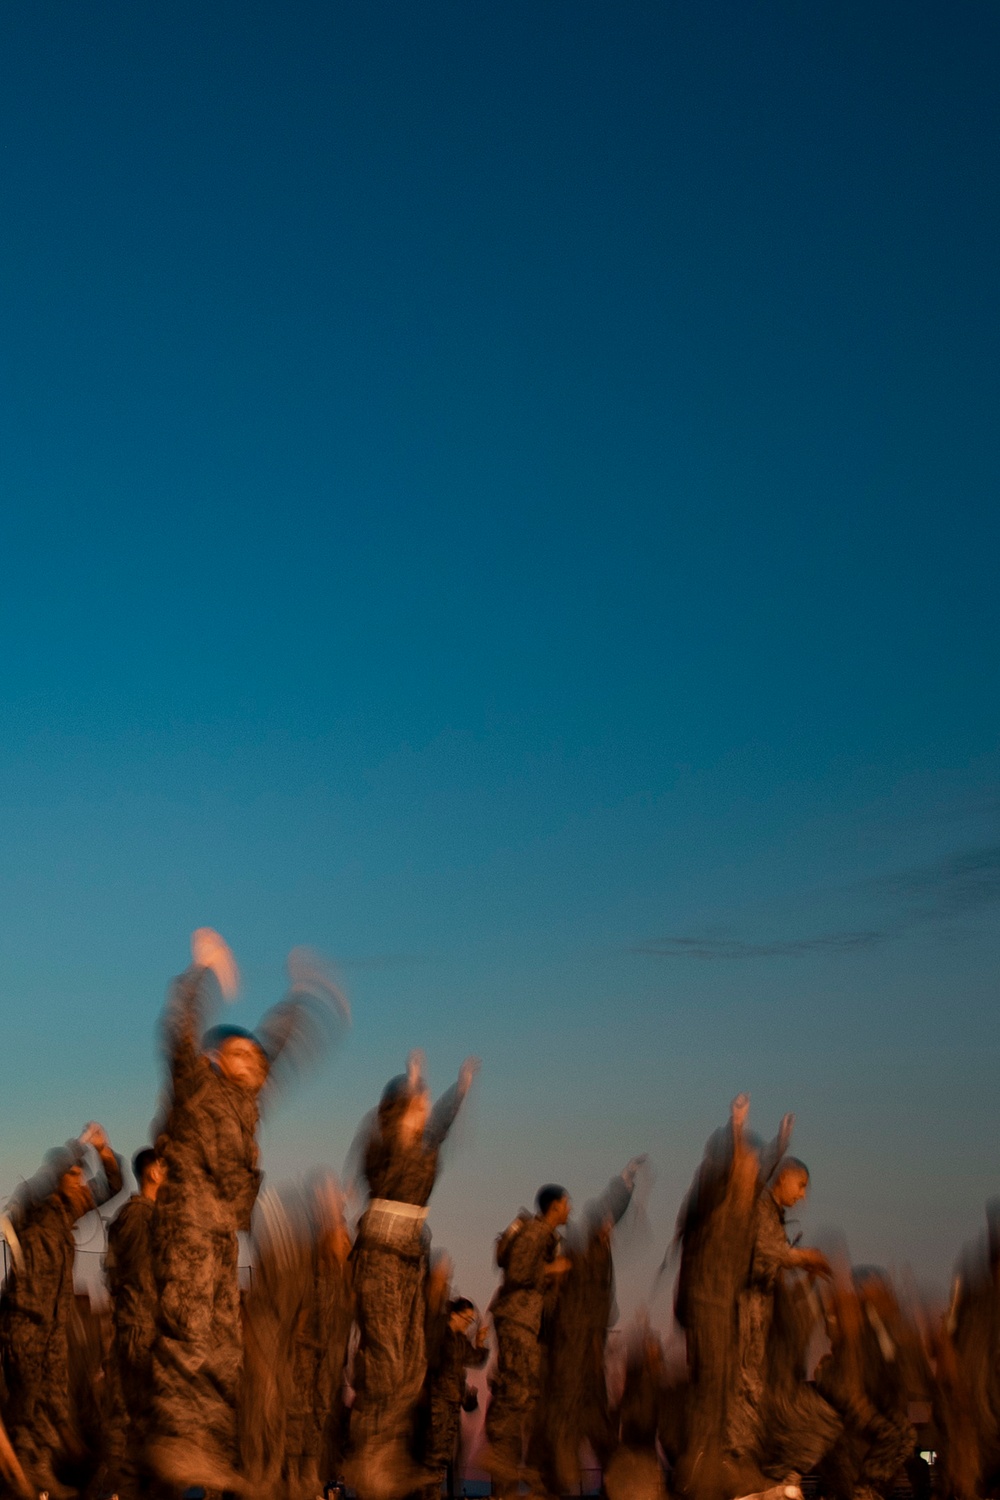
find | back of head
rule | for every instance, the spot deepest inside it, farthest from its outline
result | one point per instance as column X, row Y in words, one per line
column 461, row 1305
column 142, row 1161
column 547, row 1195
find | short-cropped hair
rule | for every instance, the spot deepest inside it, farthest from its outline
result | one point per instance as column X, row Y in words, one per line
column 142, row 1161
column 549, row 1194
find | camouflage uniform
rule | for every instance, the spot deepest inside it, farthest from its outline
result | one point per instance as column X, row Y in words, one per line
column 771, row 1254
column 316, row 1402
column 864, row 1380
column 36, row 1307
column 574, row 1407
column 524, row 1252
column 390, row 1263
column 129, row 1270
column 212, row 1182
column 446, row 1391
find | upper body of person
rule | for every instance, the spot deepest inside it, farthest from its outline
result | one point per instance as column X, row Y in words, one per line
column 528, row 1255
column 129, row 1261
column 400, row 1161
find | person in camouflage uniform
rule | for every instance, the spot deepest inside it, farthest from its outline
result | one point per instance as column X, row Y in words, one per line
column 771, row 1257
column 574, row 1408
column 316, row 1413
column 209, row 1146
column 37, row 1304
column 210, row 1149
column 452, row 1355
column 866, row 1378
column 401, row 1149
column 527, row 1253
column 132, row 1285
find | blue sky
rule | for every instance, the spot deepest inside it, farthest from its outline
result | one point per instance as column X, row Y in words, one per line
column 507, row 495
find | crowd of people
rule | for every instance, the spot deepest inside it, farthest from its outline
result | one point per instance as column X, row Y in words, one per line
column 345, row 1360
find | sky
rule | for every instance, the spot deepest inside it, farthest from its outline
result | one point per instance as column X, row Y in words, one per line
column 506, row 495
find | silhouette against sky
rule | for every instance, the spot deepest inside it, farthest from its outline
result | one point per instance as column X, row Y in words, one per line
column 506, row 494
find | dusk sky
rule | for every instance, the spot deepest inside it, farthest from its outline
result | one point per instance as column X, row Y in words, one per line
column 506, row 493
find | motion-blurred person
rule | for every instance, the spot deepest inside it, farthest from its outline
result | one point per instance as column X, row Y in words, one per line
column 574, row 1407
column 771, row 1257
column 527, row 1252
column 212, row 1181
column 966, row 1350
column 316, row 1411
column 129, row 1270
column 399, row 1164
column 715, row 1235
column 798, row 1427
column 634, row 1471
column 36, row 1304
column 864, row 1379
column 447, row 1392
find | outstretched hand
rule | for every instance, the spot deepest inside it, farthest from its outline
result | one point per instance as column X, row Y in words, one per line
column 785, row 1133
column 632, row 1168
column 95, row 1135
column 415, row 1069
column 815, row 1263
column 467, row 1073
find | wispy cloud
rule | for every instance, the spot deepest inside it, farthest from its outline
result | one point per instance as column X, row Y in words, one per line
column 960, row 884
column 736, row 948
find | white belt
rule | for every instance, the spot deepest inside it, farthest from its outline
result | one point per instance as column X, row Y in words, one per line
column 398, row 1210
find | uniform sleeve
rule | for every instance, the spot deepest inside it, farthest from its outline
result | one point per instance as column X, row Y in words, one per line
column 39, row 1274
column 443, row 1115
column 772, row 1253
column 528, row 1254
column 182, row 1026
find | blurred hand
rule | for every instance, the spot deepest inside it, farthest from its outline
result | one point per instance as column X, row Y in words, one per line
column 415, row 1069
column 739, row 1111
column 467, row 1073
column 95, row 1135
column 632, row 1169
column 815, row 1262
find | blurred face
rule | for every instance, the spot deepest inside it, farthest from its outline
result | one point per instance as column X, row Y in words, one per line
column 241, row 1061
column 790, row 1188
column 559, row 1212
column 74, row 1189
column 414, row 1119
column 154, row 1177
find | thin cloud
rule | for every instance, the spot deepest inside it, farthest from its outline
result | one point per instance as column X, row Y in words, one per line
column 735, row 948
column 958, row 885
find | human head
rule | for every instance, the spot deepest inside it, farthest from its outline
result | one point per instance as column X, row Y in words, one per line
column 552, row 1202
column 74, row 1189
column 404, row 1108
column 790, row 1183
column 149, row 1171
column 238, row 1056
column 461, row 1313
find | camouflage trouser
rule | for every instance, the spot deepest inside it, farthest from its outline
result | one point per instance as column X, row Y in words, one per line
column 515, row 1390
column 36, row 1414
column 390, row 1314
column 198, row 1353
column 132, row 1407
column 868, row 1458
column 442, row 1435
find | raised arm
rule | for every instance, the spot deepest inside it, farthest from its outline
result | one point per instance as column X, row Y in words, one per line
column 447, row 1107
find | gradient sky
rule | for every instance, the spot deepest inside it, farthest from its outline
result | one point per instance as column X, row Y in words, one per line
column 506, row 493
